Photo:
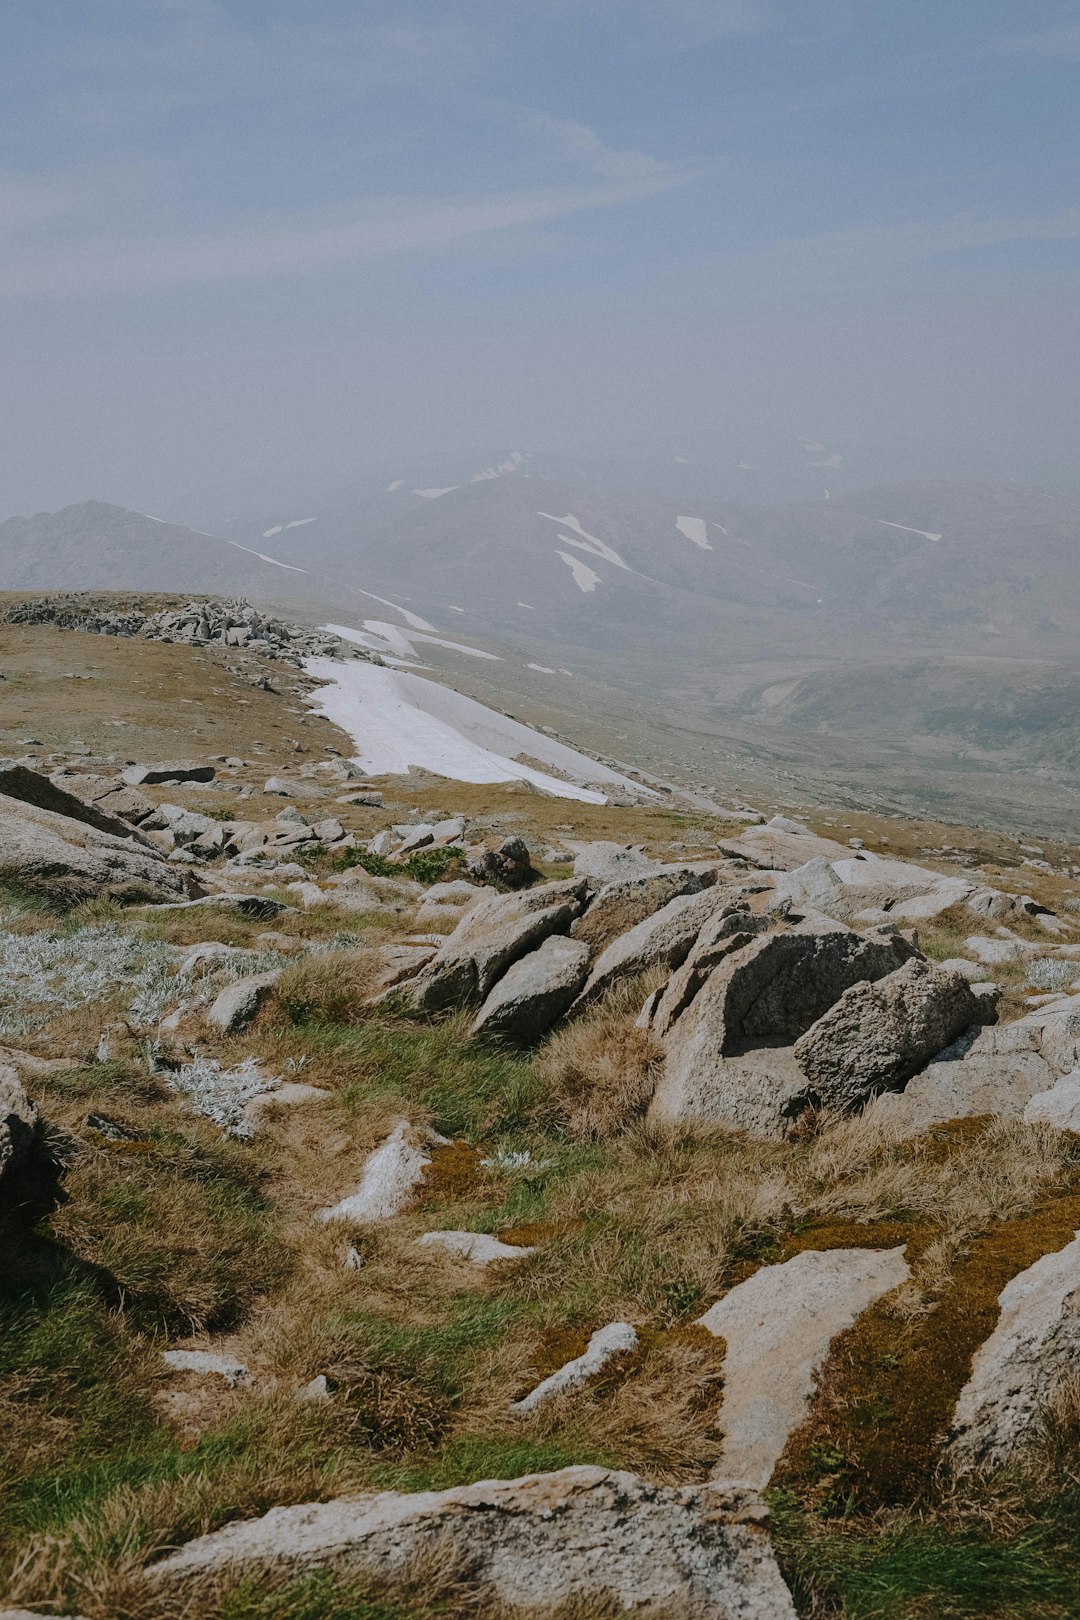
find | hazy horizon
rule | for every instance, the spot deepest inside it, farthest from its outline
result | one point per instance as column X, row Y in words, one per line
column 277, row 245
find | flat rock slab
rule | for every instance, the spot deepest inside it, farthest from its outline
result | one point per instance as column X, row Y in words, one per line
column 778, row 1326
column 259, row 906
column 478, row 1248
column 207, row 1362
column 604, row 861
column 782, row 845
column 536, row 991
column 390, row 1177
column 964, row 1088
column 586, row 1534
column 616, row 1339
column 1060, row 1106
column 1033, row 1348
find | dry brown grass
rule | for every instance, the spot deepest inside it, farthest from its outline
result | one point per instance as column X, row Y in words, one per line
column 602, row 1070
column 330, row 988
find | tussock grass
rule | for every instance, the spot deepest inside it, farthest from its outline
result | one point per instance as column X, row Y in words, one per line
column 601, row 1069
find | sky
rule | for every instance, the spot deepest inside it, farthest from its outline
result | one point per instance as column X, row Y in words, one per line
column 245, row 243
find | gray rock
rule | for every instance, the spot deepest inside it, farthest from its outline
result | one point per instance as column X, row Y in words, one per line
column 186, row 825
column 782, row 845
column 18, row 1121
column 777, row 1327
column 605, row 862
column 727, row 930
column 259, row 906
column 238, row 1003
column 73, row 860
column 619, row 907
column 1032, row 1350
column 876, row 1036
column 30, row 787
column 169, row 770
column 390, row 1177
column 207, row 1361
column 662, row 940
column 587, row 1535
column 329, row 831
column 277, row 788
column 510, row 864
column 490, row 938
column 980, row 1083
column 535, row 992
column 616, row 1339
column 477, row 1248
column 1060, row 1106
column 729, row 1057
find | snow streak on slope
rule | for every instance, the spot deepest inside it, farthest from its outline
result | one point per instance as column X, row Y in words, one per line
column 584, row 578
column 398, row 720
column 391, row 638
column 292, row 568
column 694, row 529
column 433, row 494
column 412, row 619
column 585, row 540
column 926, row 534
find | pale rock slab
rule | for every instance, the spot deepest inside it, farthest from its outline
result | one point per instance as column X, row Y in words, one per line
column 781, row 845
column 1060, row 1106
column 607, row 1342
column 478, row 1248
column 965, row 1088
column 1034, row 1346
column 534, row 993
column 778, row 1326
column 207, row 1361
column 68, row 857
column 390, row 1177
column 699, row 1552
column 621, row 906
column 604, row 862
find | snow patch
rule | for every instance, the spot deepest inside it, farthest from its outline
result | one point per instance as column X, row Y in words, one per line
column 298, row 523
column 399, row 483
column 398, row 720
column 289, row 567
column 412, row 619
column 268, row 534
column 433, row 494
column 695, row 530
column 926, row 533
column 543, row 668
column 584, row 578
column 586, row 541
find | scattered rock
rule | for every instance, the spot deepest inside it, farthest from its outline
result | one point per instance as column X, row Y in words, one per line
column 390, row 1177
column 1033, row 1349
column 509, row 865
column 535, row 992
column 617, row 1339
column 588, row 1535
column 238, row 1003
column 876, row 1036
column 476, row 1247
column 18, row 1122
column 778, row 1326
column 207, row 1361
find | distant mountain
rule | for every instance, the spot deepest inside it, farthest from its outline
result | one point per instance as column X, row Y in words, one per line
column 99, row 546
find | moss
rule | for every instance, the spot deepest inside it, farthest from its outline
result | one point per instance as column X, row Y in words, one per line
column 453, row 1172
column 888, row 1388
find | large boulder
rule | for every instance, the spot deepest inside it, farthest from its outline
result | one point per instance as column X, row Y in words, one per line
column 663, row 940
column 74, row 861
column 536, row 991
column 542, row 1542
column 168, row 770
column 727, row 930
column 729, row 1054
column 31, row 787
column 868, row 888
column 777, row 1327
column 1033, row 1349
column 621, row 906
column 781, row 845
column 236, row 1005
column 490, row 938
column 18, row 1122
column 876, row 1036
column 971, row 1087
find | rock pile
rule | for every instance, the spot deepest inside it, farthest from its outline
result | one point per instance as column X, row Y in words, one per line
column 203, row 622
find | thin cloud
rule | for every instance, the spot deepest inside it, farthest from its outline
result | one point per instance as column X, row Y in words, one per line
column 1061, row 44
column 581, row 142
column 871, row 246
column 96, row 264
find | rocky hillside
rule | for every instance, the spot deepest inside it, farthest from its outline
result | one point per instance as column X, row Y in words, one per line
column 427, row 1198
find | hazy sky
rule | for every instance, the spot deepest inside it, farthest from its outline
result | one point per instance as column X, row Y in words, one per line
column 285, row 238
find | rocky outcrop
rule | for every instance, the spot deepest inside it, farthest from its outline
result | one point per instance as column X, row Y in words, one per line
column 962, row 1088
column 169, row 770
column 867, row 888
column 68, row 858
column 781, row 845
column 490, row 938
column 729, row 1054
column 694, row 1552
column 535, row 992
column 1033, row 1349
column 876, row 1036
column 618, row 907
column 662, row 940
column 30, row 787
column 777, row 1327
